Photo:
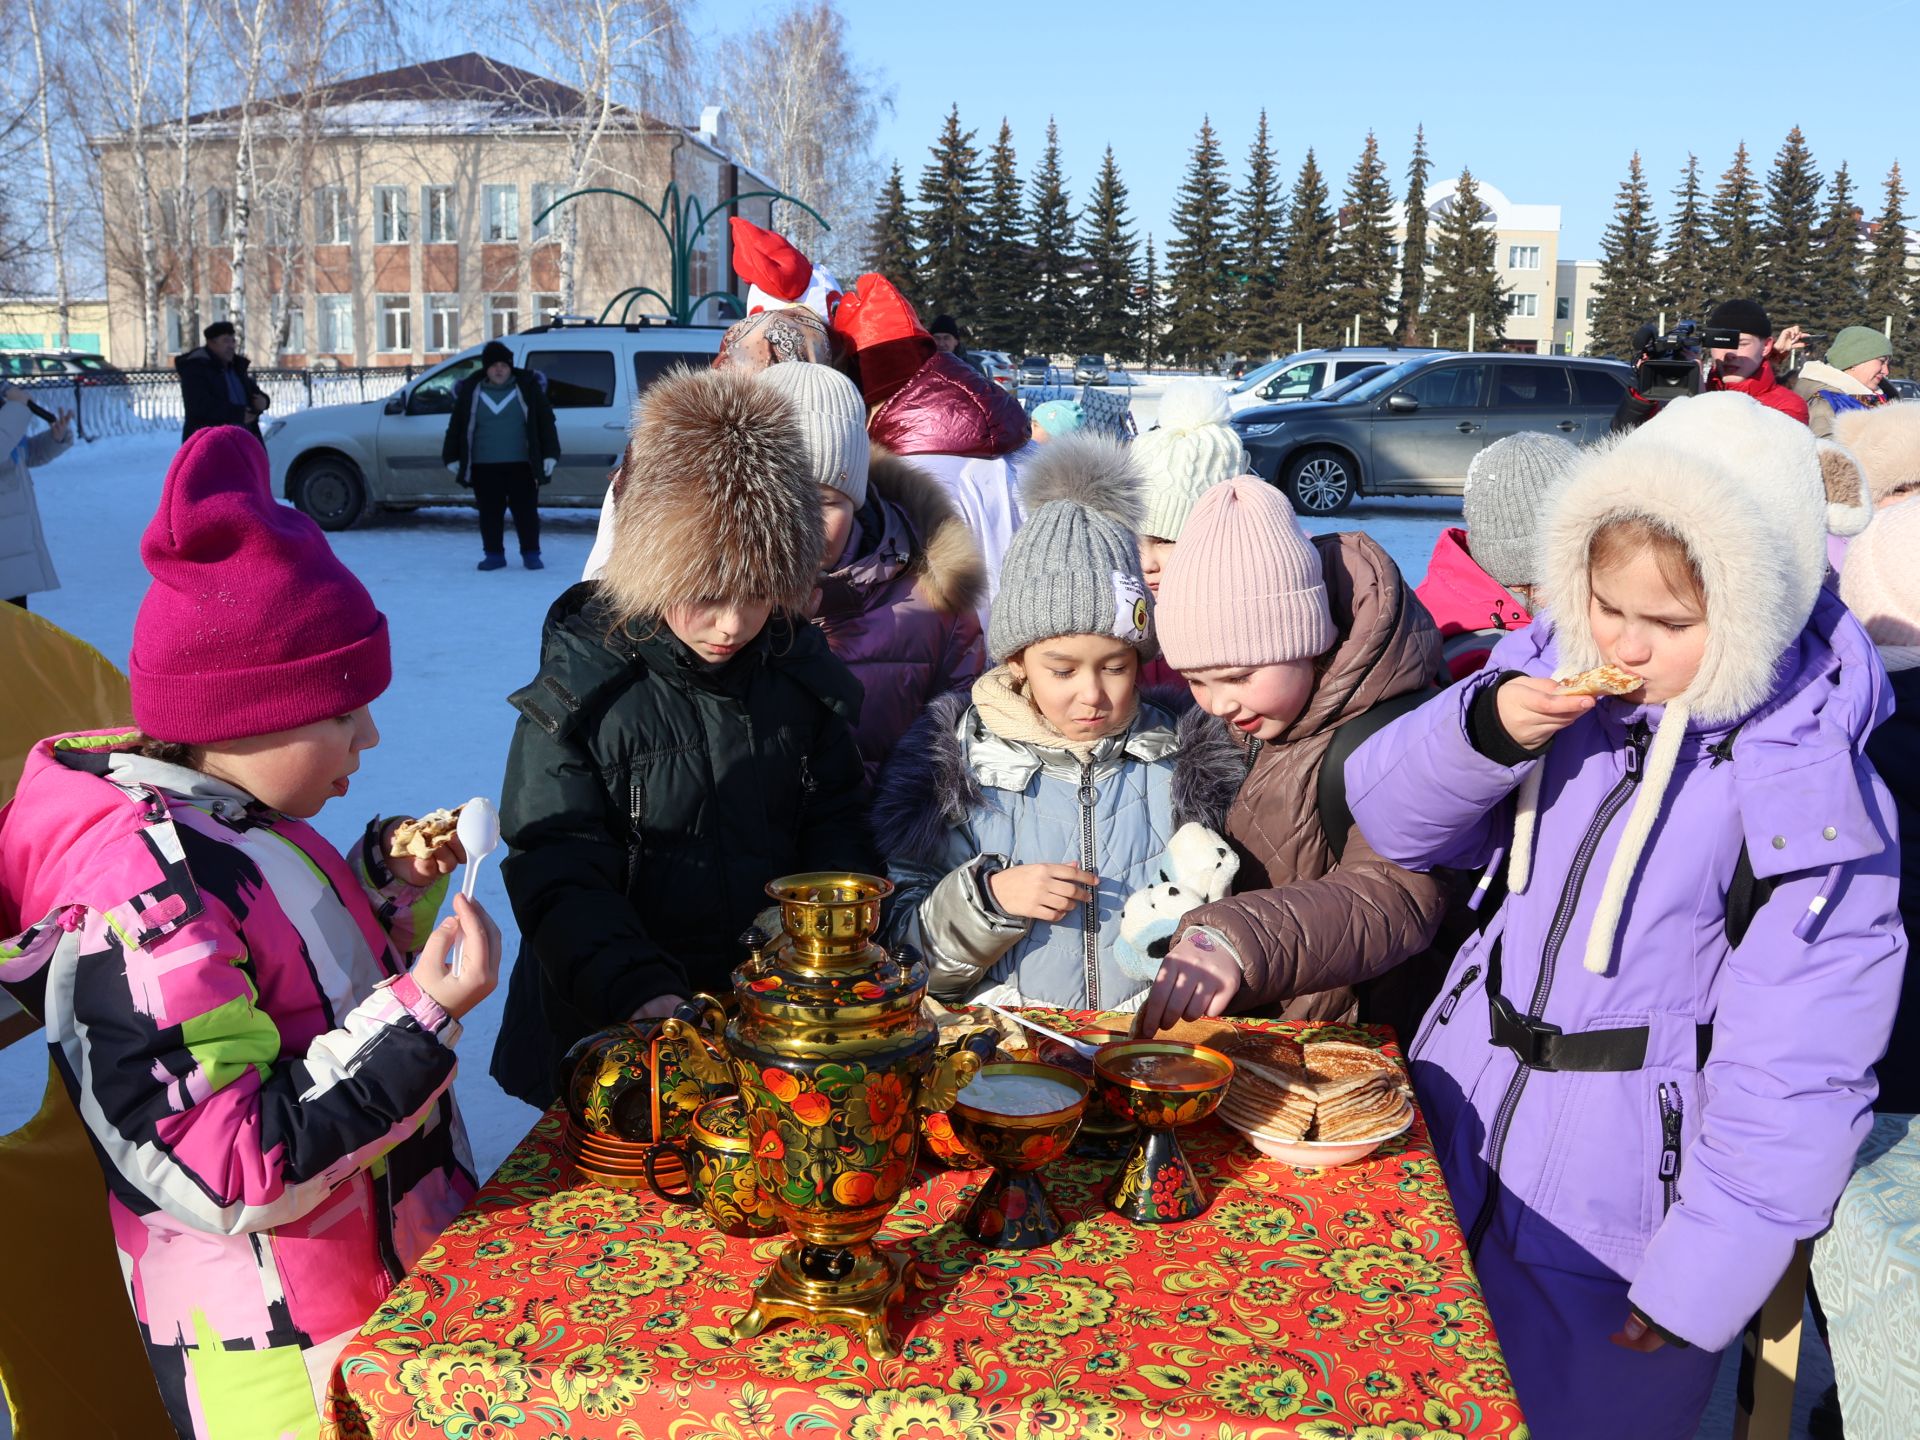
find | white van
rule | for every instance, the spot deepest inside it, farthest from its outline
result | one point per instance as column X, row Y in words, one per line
column 339, row 462
column 1307, row 372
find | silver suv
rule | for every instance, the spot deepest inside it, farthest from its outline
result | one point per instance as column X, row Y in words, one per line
column 338, row 462
column 1415, row 429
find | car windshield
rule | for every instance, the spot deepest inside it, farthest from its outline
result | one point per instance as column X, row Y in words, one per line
column 1258, row 376
column 1379, row 384
column 1340, row 389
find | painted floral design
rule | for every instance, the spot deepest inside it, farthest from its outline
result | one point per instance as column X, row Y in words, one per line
column 1055, row 1413
column 601, row 1380
column 465, row 1386
column 1053, row 1304
column 640, row 1267
column 877, row 1107
column 1379, row 1272
column 801, row 1352
column 1253, row 1222
column 1262, row 1388
column 919, row 1412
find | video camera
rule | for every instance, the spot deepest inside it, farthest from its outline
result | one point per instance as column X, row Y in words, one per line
column 1669, row 365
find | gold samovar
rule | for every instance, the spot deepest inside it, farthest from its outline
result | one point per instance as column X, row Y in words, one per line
column 835, row 1063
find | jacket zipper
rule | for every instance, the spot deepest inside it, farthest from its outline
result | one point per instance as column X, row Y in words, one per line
column 636, row 818
column 1610, row 806
column 1453, row 995
column 1089, row 917
column 1670, row 1120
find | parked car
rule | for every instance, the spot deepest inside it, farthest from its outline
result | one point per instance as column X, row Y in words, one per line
column 1307, row 372
column 999, row 368
column 1901, row 389
column 338, row 462
column 1340, row 388
column 55, row 364
column 1090, row 370
column 1036, row 370
column 1414, row 428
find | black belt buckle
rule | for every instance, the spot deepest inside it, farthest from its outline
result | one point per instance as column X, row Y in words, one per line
column 1527, row 1039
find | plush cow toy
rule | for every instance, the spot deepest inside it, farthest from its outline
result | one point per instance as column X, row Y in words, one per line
column 1196, row 870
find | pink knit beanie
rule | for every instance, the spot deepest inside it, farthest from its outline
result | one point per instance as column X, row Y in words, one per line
column 1244, row 585
column 251, row 624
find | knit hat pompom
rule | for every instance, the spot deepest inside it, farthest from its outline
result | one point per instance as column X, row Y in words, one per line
column 1074, row 566
column 1879, row 580
column 1244, row 586
column 1510, row 485
column 1193, row 449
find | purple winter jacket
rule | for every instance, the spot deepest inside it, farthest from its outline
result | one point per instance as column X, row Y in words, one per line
column 1800, row 1010
column 901, row 613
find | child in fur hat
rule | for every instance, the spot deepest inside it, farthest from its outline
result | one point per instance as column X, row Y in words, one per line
column 1670, row 1103
column 1020, row 821
column 688, row 737
column 1283, row 640
column 258, row 1032
column 902, row 574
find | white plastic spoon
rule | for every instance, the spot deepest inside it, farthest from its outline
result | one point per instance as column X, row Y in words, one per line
column 479, row 835
column 1080, row 1047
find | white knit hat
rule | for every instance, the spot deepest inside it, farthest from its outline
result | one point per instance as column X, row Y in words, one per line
column 1194, row 449
column 833, row 420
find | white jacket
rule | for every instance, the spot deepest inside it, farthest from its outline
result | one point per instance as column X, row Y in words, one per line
column 26, row 567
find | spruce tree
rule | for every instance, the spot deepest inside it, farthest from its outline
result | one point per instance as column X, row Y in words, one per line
column 1152, row 321
column 1003, row 269
column 1363, row 269
column 1686, row 275
column 1787, row 286
column 1736, row 242
column 1256, row 256
column 1625, row 295
column 952, row 195
column 1837, row 285
column 1413, row 243
column 1889, row 283
column 1108, row 324
column 1050, row 295
column 1199, row 299
column 892, row 249
column 1307, row 305
column 1465, row 281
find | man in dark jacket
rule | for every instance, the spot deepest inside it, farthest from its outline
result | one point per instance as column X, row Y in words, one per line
column 502, row 443
column 214, row 388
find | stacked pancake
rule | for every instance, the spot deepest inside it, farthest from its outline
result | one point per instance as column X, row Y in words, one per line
column 1328, row 1091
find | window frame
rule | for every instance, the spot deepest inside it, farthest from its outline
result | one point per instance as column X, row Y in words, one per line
column 297, row 328
column 333, row 315
column 1523, row 257
column 437, row 305
column 432, row 233
column 383, row 311
column 385, row 200
column 331, row 211
column 1523, row 304
column 495, row 226
column 556, row 387
column 547, row 191
column 495, row 310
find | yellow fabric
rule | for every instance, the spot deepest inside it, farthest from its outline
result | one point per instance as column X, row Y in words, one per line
column 70, row 1353
column 54, row 682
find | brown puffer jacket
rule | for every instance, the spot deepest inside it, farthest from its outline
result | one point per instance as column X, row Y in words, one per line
column 1307, row 930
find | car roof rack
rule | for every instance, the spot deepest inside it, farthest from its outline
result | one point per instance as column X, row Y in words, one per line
column 556, row 323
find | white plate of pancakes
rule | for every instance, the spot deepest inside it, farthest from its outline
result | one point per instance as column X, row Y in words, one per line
column 1311, row 1106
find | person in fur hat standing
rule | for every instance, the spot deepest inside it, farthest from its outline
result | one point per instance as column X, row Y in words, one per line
column 1019, row 819
column 688, row 737
column 1700, row 951
column 902, row 574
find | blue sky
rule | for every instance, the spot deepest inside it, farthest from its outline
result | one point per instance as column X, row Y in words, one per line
column 1546, row 102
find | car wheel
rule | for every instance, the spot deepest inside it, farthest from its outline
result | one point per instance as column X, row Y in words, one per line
column 331, row 492
column 1321, row 482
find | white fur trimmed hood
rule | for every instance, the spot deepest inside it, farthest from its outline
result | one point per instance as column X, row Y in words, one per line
column 1744, row 488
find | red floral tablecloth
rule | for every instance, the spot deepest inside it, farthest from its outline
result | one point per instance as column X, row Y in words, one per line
column 1326, row 1305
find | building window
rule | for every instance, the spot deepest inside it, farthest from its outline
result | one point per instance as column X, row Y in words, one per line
column 545, row 308
column 1563, row 308
column 436, row 206
column 396, row 324
column 219, row 216
column 332, row 219
column 1593, row 308
column 219, row 307
column 544, row 194
column 278, row 223
column 443, row 323
column 1523, row 257
column 503, row 213
column 1393, row 251
column 1523, row 305
column 176, row 328
column 503, row 315
column 296, row 330
column 336, row 324
column 391, row 223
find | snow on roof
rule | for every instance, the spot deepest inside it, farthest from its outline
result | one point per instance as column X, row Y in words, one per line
column 1497, row 208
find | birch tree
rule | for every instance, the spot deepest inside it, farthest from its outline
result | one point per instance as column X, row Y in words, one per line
column 119, row 44
column 55, row 227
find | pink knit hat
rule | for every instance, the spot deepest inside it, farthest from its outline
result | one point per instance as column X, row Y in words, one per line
column 251, row 624
column 1244, row 585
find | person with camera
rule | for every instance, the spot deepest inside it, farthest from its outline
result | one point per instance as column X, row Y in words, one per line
column 1848, row 379
column 1735, row 350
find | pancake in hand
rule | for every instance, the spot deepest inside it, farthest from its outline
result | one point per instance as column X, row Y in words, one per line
column 420, row 838
column 1602, row 680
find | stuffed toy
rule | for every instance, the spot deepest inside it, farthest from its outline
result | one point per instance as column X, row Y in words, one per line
column 1197, row 869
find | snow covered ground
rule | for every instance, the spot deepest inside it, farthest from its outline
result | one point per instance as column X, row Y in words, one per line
column 462, row 641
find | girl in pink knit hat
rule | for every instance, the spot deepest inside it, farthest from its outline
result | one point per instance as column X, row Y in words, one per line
column 1285, row 639
column 249, row 1023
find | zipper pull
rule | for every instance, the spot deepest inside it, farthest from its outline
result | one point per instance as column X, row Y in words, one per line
column 1669, row 1131
column 1637, row 739
column 1453, row 995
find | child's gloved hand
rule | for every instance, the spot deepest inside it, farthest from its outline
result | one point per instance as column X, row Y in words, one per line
column 1041, row 892
column 1534, row 709
column 479, row 959
column 1197, row 981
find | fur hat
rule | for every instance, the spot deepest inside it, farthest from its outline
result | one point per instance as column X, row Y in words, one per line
column 1742, row 487
column 716, row 499
column 1880, row 582
column 1193, row 448
column 1885, row 439
column 1074, row 566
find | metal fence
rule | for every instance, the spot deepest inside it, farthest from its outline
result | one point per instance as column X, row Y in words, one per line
column 136, row 402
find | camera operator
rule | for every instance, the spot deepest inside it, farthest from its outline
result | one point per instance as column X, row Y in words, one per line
column 1733, row 351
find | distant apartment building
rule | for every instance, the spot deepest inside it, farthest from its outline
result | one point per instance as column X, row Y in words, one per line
column 32, row 322
column 398, row 218
column 1527, row 256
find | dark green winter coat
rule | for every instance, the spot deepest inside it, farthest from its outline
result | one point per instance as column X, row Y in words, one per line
column 648, row 800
